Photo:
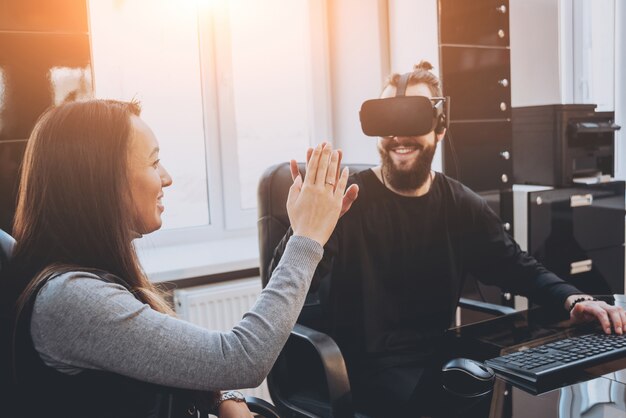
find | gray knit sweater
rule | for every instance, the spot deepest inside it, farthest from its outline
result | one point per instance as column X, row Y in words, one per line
column 81, row 322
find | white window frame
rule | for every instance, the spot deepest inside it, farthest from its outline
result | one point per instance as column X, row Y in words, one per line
column 592, row 21
column 620, row 89
column 575, row 26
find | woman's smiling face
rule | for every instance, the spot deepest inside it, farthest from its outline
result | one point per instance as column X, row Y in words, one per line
column 147, row 177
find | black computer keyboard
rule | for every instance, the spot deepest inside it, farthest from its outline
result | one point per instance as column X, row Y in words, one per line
column 567, row 355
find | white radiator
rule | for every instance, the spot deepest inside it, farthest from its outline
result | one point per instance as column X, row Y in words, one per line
column 219, row 307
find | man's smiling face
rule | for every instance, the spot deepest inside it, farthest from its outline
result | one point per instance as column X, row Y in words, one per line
column 406, row 160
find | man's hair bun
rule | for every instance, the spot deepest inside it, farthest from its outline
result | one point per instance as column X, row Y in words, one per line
column 423, row 65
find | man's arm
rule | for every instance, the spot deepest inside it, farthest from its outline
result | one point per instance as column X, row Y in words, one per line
column 495, row 258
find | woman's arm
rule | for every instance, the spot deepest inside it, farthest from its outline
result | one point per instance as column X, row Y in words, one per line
column 82, row 322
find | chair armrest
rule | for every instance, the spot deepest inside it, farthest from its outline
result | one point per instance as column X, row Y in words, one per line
column 334, row 369
column 485, row 307
column 261, row 407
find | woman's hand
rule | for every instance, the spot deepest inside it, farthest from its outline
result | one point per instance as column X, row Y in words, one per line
column 232, row 409
column 351, row 194
column 315, row 203
column 604, row 313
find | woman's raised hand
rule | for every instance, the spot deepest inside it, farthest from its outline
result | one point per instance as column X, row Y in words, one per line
column 315, row 203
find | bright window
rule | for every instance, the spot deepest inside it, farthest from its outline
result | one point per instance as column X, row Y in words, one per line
column 229, row 88
column 599, row 33
column 148, row 50
column 594, row 53
column 271, row 91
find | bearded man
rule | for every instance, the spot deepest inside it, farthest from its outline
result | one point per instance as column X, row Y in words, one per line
column 393, row 271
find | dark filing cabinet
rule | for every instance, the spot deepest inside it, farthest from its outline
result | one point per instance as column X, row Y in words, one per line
column 474, row 58
column 576, row 232
column 475, row 71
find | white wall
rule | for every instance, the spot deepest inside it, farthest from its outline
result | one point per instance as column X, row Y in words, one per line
column 536, row 76
column 359, row 62
column 414, row 36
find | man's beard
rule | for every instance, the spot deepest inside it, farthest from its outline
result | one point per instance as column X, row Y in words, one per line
column 415, row 175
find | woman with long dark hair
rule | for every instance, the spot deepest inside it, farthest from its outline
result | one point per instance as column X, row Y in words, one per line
column 91, row 336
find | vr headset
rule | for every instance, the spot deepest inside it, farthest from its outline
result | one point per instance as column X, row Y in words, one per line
column 404, row 115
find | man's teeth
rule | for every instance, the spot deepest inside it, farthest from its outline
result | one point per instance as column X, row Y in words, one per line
column 403, row 150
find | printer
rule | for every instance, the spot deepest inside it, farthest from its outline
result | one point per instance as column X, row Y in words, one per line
column 558, row 145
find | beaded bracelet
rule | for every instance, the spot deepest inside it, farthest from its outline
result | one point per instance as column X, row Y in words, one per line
column 582, row 299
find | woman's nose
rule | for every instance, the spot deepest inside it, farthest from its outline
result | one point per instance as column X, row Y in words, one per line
column 166, row 179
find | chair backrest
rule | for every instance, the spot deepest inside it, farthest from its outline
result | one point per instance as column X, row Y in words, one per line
column 6, row 248
column 286, row 377
column 273, row 220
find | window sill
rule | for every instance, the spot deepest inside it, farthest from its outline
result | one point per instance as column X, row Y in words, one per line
column 177, row 262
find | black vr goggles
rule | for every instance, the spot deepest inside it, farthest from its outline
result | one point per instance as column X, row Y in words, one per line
column 404, row 115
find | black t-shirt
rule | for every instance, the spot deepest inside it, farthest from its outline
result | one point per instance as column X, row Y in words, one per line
column 404, row 285
column 394, row 268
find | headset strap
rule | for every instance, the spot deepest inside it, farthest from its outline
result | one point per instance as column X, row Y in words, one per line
column 402, row 83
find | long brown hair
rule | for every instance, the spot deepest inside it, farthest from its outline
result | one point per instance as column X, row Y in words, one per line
column 74, row 209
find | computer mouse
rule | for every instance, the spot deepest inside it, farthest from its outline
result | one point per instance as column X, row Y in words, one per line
column 467, row 378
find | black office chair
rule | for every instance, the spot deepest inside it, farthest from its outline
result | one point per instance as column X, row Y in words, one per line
column 6, row 248
column 310, row 378
column 257, row 406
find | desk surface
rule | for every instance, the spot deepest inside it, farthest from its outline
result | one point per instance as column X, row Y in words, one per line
column 603, row 397
column 598, row 391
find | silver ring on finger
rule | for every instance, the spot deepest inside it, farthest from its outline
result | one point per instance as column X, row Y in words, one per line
column 330, row 182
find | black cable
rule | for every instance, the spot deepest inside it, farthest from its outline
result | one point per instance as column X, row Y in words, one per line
column 480, row 292
column 453, row 154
